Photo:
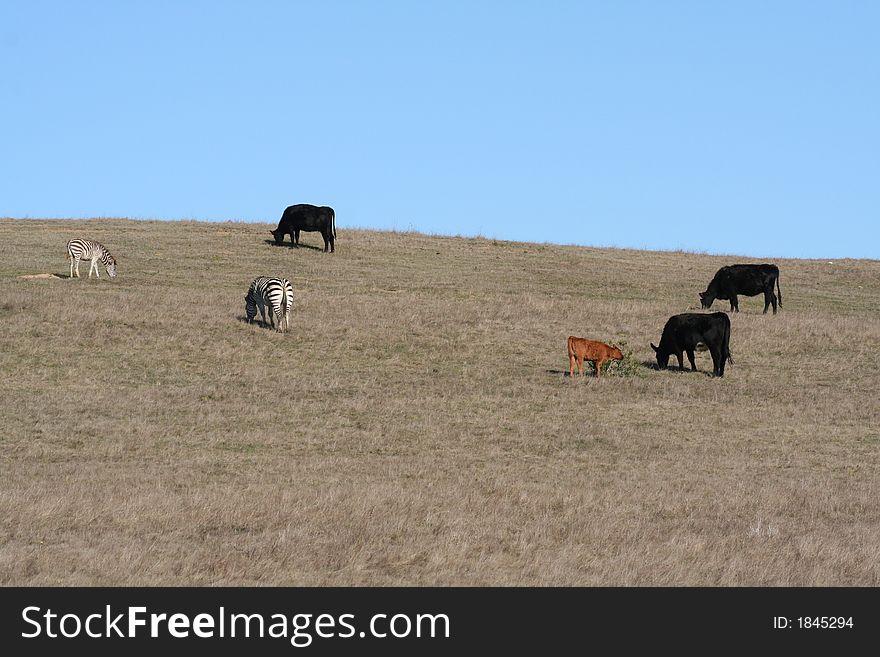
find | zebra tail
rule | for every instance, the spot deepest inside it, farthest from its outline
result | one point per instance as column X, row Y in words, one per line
column 284, row 318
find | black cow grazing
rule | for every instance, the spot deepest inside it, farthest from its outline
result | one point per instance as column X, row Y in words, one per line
column 683, row 332
column 747, row 280
column 307, row 218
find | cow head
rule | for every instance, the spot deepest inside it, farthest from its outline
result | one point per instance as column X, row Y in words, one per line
column 707, row 298
column 278, row 234
column 662, row 356
column 616, row 353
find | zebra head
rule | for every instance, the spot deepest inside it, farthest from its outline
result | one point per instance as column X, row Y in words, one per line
column 111, row 268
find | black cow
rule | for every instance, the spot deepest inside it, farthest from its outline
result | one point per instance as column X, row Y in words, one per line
column 307, row 218
column 684, row 332
column 747, row 280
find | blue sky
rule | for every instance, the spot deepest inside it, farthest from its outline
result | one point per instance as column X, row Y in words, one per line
column 748, row 128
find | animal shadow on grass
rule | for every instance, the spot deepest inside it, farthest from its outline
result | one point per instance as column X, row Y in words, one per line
column 257, row 321
column 589, row 373
column 652, row 365
column 291, row 245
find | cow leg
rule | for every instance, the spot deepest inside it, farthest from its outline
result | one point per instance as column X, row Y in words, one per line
column 769, row 298
column 571, row 361
column 690, row 353
column 326, row 242
column 598, row 364
column 294, row 237
column 332, row 243
column 680, row 360
column 734, row 303
column 580, row 366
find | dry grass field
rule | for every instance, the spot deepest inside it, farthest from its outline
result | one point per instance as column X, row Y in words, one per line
column 417, row 425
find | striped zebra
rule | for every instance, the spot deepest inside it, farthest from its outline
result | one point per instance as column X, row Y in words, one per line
column 90, row 250
column 272, row 294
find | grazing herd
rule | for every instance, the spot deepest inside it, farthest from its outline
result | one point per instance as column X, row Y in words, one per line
column 682, row 333
column 273, row 297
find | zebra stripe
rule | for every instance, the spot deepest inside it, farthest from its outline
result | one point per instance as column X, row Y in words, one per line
column 272, row 294
column 90, row 250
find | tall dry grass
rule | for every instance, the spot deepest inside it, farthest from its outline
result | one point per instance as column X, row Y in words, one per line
column 416, row 425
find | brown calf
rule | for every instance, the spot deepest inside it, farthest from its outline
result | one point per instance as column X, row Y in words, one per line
column 580, row 349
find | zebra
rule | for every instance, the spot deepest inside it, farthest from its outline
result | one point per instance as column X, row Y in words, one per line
column 90, row 250
column 272, row 294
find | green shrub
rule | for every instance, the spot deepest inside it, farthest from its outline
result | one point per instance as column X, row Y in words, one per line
column 629, row 366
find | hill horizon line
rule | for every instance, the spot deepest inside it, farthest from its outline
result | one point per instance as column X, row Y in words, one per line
column 477, row 236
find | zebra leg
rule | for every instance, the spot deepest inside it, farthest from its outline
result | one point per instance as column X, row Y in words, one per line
column 71, row 266
column 77, row 267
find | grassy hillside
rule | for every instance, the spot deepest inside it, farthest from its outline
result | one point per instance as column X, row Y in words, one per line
column 417, row 424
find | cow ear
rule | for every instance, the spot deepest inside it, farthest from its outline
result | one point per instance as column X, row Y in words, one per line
column 653, row 347
column 702, row 295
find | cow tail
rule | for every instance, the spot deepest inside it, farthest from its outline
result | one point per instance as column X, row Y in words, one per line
column 726, row 345
column 778, row 291
column 333, row 218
